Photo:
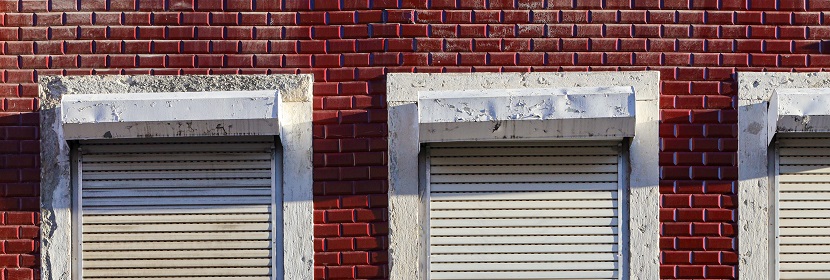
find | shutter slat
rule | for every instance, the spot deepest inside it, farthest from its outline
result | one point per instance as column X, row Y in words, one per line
column 530, row 222
column 197, row 271
column 494, row 187
column 575, row 160
column 803, row 207
column 142, row 219
column 175, row 245
column 522, row 231
column 177, row 208
column 452, row 258
column 526, row 211
column 541, row 274
column 169, row 254
column 216, row 262
column 443, row 196
column 490, row 266
column 610, row 249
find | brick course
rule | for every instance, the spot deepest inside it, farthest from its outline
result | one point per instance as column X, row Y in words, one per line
column 350, row 45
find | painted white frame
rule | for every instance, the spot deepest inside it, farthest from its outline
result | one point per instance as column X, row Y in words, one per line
column 408, row 199
column 292, row 123
column 758, row 123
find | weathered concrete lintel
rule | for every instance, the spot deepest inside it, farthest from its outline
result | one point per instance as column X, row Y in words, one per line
column 526, row 104
column 294, row 128
column 168, row 106
column 407, row 200
column 758, row 122
column 799, row 110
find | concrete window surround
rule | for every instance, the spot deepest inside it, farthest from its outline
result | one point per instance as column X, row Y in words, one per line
column 770, row 103
column 274, row 105
column 426, row 108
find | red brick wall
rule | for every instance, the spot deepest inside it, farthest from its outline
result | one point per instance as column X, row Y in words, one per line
column 349, row 45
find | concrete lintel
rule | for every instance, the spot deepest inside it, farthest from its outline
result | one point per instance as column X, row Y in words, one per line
column 168, row 106
column 294, row 128
column 526, row 104
column 800, row 110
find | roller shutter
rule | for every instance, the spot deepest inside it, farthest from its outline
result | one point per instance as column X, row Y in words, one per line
column 804, row 207
column 176, row 208
column 531, row 211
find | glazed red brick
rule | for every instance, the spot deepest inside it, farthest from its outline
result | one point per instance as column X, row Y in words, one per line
column 350, row 45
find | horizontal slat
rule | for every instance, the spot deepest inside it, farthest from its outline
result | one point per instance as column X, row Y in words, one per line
column 814, row 140
column 179, row 174
column 497, row 160
column 799, row 249
column 522, row 151
column 794, row 151
column 825, row 266
column 511, row 178
column 171, row 254
column 176, row 236
column 804, row 274
column 502, row 169
column 813, row 178
column 186, row 278
column 444, row 196
column 790, row 204
column 182, row 227
column 207, row 263
column 523, row 213
column 789, row 195
column 804, row 240
column 217, row 183
column 177, row 148
column 803, row 213
column 451, row 258
column 159, row 192
column 173, row 158
column 525, row 204
column 805, row 258
column 803, row 187
column 129, row 219
column 523, row 222
column 490, row 187
column 475, row 240
column 190, row 165
column 202, row 271
column 804, row 169
column 471, row 249
column 541, row 274
column 522, row 231
column 161, row 245
column 205, row 200
column 183, row 209
column 804, row 223
column 594, row 265
column 195, row 140
column 563, row 143
column 789, row 231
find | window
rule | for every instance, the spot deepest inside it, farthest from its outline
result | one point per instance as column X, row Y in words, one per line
column 783, row 186
column 165, row 177
column 523, row 175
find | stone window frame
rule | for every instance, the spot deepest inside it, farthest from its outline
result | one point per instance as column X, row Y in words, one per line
column 408, row 202
column 756, row 131
column 293, row 125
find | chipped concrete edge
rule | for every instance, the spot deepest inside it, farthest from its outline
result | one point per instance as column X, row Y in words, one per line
column 407, row 257
column 296, row 96
column 755, row 130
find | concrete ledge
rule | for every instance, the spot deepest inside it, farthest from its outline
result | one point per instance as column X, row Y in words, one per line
column 800, row 110
column 294, row 113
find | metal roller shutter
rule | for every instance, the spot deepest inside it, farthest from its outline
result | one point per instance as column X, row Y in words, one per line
column 527, row 211
column 177, row 208
column 804, row 207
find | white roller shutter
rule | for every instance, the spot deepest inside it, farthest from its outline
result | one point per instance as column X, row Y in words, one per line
column 525, row 211
column 804, row 207
column 179, row 208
